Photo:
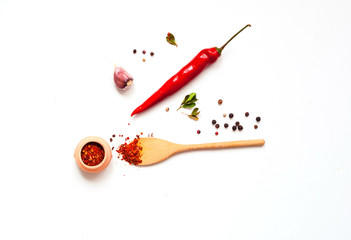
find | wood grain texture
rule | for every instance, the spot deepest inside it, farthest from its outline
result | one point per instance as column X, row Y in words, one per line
column 156, row 150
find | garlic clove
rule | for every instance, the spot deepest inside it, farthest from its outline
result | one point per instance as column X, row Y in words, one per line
column 122, row 78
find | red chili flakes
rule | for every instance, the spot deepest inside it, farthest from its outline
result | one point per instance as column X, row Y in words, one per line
column 131, row 152
column 92, row 154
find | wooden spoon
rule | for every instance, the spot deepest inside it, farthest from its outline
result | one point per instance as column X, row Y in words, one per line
column 155, row 150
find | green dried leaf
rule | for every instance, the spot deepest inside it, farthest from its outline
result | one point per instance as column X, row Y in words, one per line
column 185, row 99
column 191, row 96
column 195, row 112
column 189, row 101
column 189, row 105
column 171, row 39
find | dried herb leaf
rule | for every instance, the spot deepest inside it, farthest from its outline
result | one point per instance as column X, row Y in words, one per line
column 189, row 105
column 171, row 39
column 195, row 112
column 193, row 117
column 189, row 101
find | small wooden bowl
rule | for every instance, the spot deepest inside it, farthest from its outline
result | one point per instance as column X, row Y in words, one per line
column 105, row 162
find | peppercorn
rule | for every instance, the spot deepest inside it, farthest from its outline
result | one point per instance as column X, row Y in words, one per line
column 226, row 125
column 224, row 115
column 198, row 131
column 234, row 127
column 247, row 114
column 144, row 51
column 258, row 119
column 240, row 127
column 217, row 125
column 255, row 126
column 152, row 54
column 220, row 101
column 167, row 109
column 216, row 133
column 111, row 139
column 143, row 59
column 231, row 115
column 237, row 123
column 134, row 51
column 214, row 122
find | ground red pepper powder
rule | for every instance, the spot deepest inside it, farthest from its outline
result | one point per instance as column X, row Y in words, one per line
column 92, row 154
column 131, row 152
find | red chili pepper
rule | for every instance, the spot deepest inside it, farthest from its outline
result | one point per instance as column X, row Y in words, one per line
column 185, row 75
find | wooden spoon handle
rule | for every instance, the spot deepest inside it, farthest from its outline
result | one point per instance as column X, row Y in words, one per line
column 243, row 143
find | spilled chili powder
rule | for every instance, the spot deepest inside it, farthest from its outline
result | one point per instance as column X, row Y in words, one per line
column 92, row 154
column 131, row 152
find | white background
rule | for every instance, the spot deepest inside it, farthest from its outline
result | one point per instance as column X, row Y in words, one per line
column 292, row 68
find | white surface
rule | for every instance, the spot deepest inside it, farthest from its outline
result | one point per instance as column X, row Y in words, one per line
column 292, row 68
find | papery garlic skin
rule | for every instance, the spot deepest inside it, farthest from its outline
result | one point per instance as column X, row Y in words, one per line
column 122, row 78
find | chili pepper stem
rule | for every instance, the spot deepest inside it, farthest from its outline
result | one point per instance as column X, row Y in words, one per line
column 221, row 48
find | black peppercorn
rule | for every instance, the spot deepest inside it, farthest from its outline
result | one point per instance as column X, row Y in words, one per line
column 255, row 126
column 258, row 119
column 240, row 127
column 247, row 114
column 226, row 125
column 217, row 125
column 214, row 122
column 231, row 115
column 234, row 127
column 237, row 123
column 152, row 54
column 134, row 51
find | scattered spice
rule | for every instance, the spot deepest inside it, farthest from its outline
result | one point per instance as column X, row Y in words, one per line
column 144, row 60
column 234, row 127
column 214, row 122
column 226, row 125
column 167, row 109
column 198, row 131
column 114, row 135
column 240, row 127
column 247, row 114
column 224, row 115
column 231, row 115
column 111, row 139
column 134, row 51
column 255, row 126
column 144, row 51
column 152, row 54
column 186, row 74
column 220, row 101
column 216, row 133
column 217, row 125
column 92, row 154
column 171, row 39
column 131, row 152
column 237, row 123
column 258, row 119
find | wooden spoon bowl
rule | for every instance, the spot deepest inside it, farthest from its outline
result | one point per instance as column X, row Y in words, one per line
column 156, row 150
